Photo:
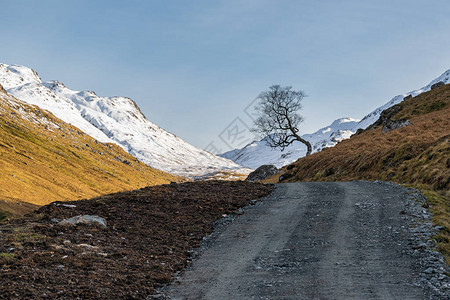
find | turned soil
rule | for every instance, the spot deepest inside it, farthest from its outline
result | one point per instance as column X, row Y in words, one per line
column 150, row 235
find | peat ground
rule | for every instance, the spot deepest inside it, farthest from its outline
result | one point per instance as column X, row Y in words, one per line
column 150, row 235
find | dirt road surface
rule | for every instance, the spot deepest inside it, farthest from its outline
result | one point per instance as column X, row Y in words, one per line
column 311, row 241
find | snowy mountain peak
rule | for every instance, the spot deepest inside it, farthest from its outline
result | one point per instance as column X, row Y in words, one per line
column 342, row 121
column 16, row 75
column 259, row 153
column 113, row 120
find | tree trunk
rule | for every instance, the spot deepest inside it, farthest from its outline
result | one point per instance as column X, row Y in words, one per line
column 308, row 144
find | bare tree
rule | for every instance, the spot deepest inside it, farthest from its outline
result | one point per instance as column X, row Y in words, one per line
column 278, row 118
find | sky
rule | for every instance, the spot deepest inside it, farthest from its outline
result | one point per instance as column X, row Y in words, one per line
column 194, row 67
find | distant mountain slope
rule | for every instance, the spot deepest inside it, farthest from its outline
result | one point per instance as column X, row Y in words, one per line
column 258, row 153
column 43, row 159
column 113, row 119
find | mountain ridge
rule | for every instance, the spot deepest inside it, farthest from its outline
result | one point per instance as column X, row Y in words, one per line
column 114, row 120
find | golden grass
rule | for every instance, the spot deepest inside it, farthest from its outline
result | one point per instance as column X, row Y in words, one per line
column 41, row 163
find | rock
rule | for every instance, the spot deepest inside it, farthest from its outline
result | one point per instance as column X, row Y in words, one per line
column 65, row 205
column 386, row 121
column 87, row 247
column 420, row 246
column 2, row 89
column 285, row 176
column 86, row 219
column 407, row 97
column 262, row 172
column 385, row 116
column 358, row 132
column 437, row 84
column 428, row 270
column 395, row 124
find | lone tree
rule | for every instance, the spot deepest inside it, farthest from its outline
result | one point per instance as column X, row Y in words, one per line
column 278, row 117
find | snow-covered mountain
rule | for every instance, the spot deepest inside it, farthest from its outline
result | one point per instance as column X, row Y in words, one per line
column 113, row 120
column 259, row 153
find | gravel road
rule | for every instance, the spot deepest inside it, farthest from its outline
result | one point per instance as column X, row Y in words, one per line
column 349, row 240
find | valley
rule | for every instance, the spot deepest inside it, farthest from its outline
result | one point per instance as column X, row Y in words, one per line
column 215, row 150
column 173, row 221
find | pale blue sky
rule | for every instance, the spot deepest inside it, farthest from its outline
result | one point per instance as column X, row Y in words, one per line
column 193, row 66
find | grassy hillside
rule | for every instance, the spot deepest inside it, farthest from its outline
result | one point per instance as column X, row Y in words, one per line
column 418, row 155
column 43, row 159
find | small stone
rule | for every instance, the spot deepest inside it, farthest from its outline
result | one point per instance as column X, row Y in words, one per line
column 420, row 246
column 86, row 219
column 87, row 246
column 66, row 205
column 428, row 270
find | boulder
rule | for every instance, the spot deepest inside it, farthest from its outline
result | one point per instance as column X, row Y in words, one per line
column 386, row 115
column 407, row 97
column 437, row 84
column 386, row 121
column 395, row 124
column 263, row 172
column 285, row 176
column 86, row 219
